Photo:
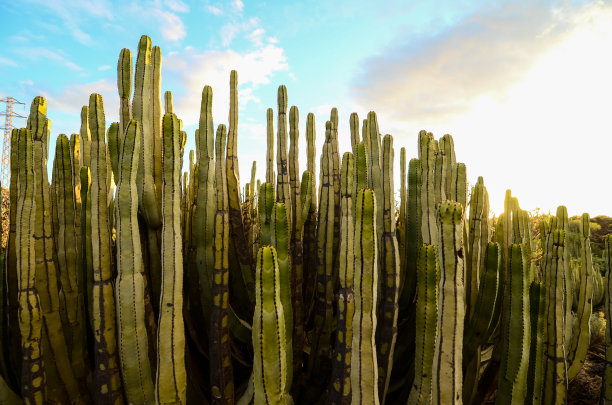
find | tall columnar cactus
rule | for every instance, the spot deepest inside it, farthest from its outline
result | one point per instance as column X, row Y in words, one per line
column 581, row 336
column 537, row 309
column 124, row 85
column 375, row 169
column 265, row 207
column 429, row 229
column 354, row 125
column 310, row 220
column 555, row 377
column 222, row 381
column 270, row 176
column 239, row 240
column 413, row 234
column 476, row 333
column 171, row 380
column 390, row 272
column 63, row 381
column 130, row 288
column 448, row 357
column 340, row 392
column 205, row 205
column 401, row 217
column 69, row 264
column 364, row 369
column 280, row 240
column 427, row 279
column 319, row 362
column 515, row 352
column 478, row 238
column 270, row 365
column 283, row 184
column 33, row 384
column 107, row 378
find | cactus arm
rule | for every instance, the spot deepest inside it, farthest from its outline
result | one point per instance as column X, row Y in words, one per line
column 364, row 370
column 156, row 119
column 375, row 170
column 427, row 279
column 413, row 233
column 222, row 382
column 114, row 148
column 447, row 370
column 171, row 381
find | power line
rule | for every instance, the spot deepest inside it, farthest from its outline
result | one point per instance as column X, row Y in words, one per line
column 5, row 162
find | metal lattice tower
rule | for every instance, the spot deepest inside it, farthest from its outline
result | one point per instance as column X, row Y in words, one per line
column 5, row 169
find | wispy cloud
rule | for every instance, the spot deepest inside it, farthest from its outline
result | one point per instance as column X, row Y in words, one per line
column 214, row 10
column 177, row 6
column 39, row 53
column 104, row 67
column 237, row 5
column 71, row 13
column 485, row 54
column 71, row 98
column 195, row 69
column 7, row 61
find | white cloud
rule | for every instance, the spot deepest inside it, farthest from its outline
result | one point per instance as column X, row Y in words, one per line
column 542, row 130
column 214, row 10
column 71, row 12
column 27, row 83
column 237, row 5
column 177, row 6
column 197, row 69
column 7, row 61
column 256, row 36
column 71, row 98
column 171, row 26
column 104, row 67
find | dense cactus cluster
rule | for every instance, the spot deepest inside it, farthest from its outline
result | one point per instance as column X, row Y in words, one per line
column 125, row 281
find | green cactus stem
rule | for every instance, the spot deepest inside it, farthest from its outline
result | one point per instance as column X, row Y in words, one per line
column 171, row 379
column 340, row 392
column 580, row 341
column 270, row 365
column 427, row 279
column 107, row 376
column 124, row 85
column 33, row 379
column 515, row 351
column 537, row 309
column 222, row 381
column 447, row 376
column 364, row 369
column 239, row 240
column 130, row 287
column 390, row 272
column 555, row 377
column 270, row 176
column 69, row 264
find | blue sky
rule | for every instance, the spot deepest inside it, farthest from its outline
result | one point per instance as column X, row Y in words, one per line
column 523, row 86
